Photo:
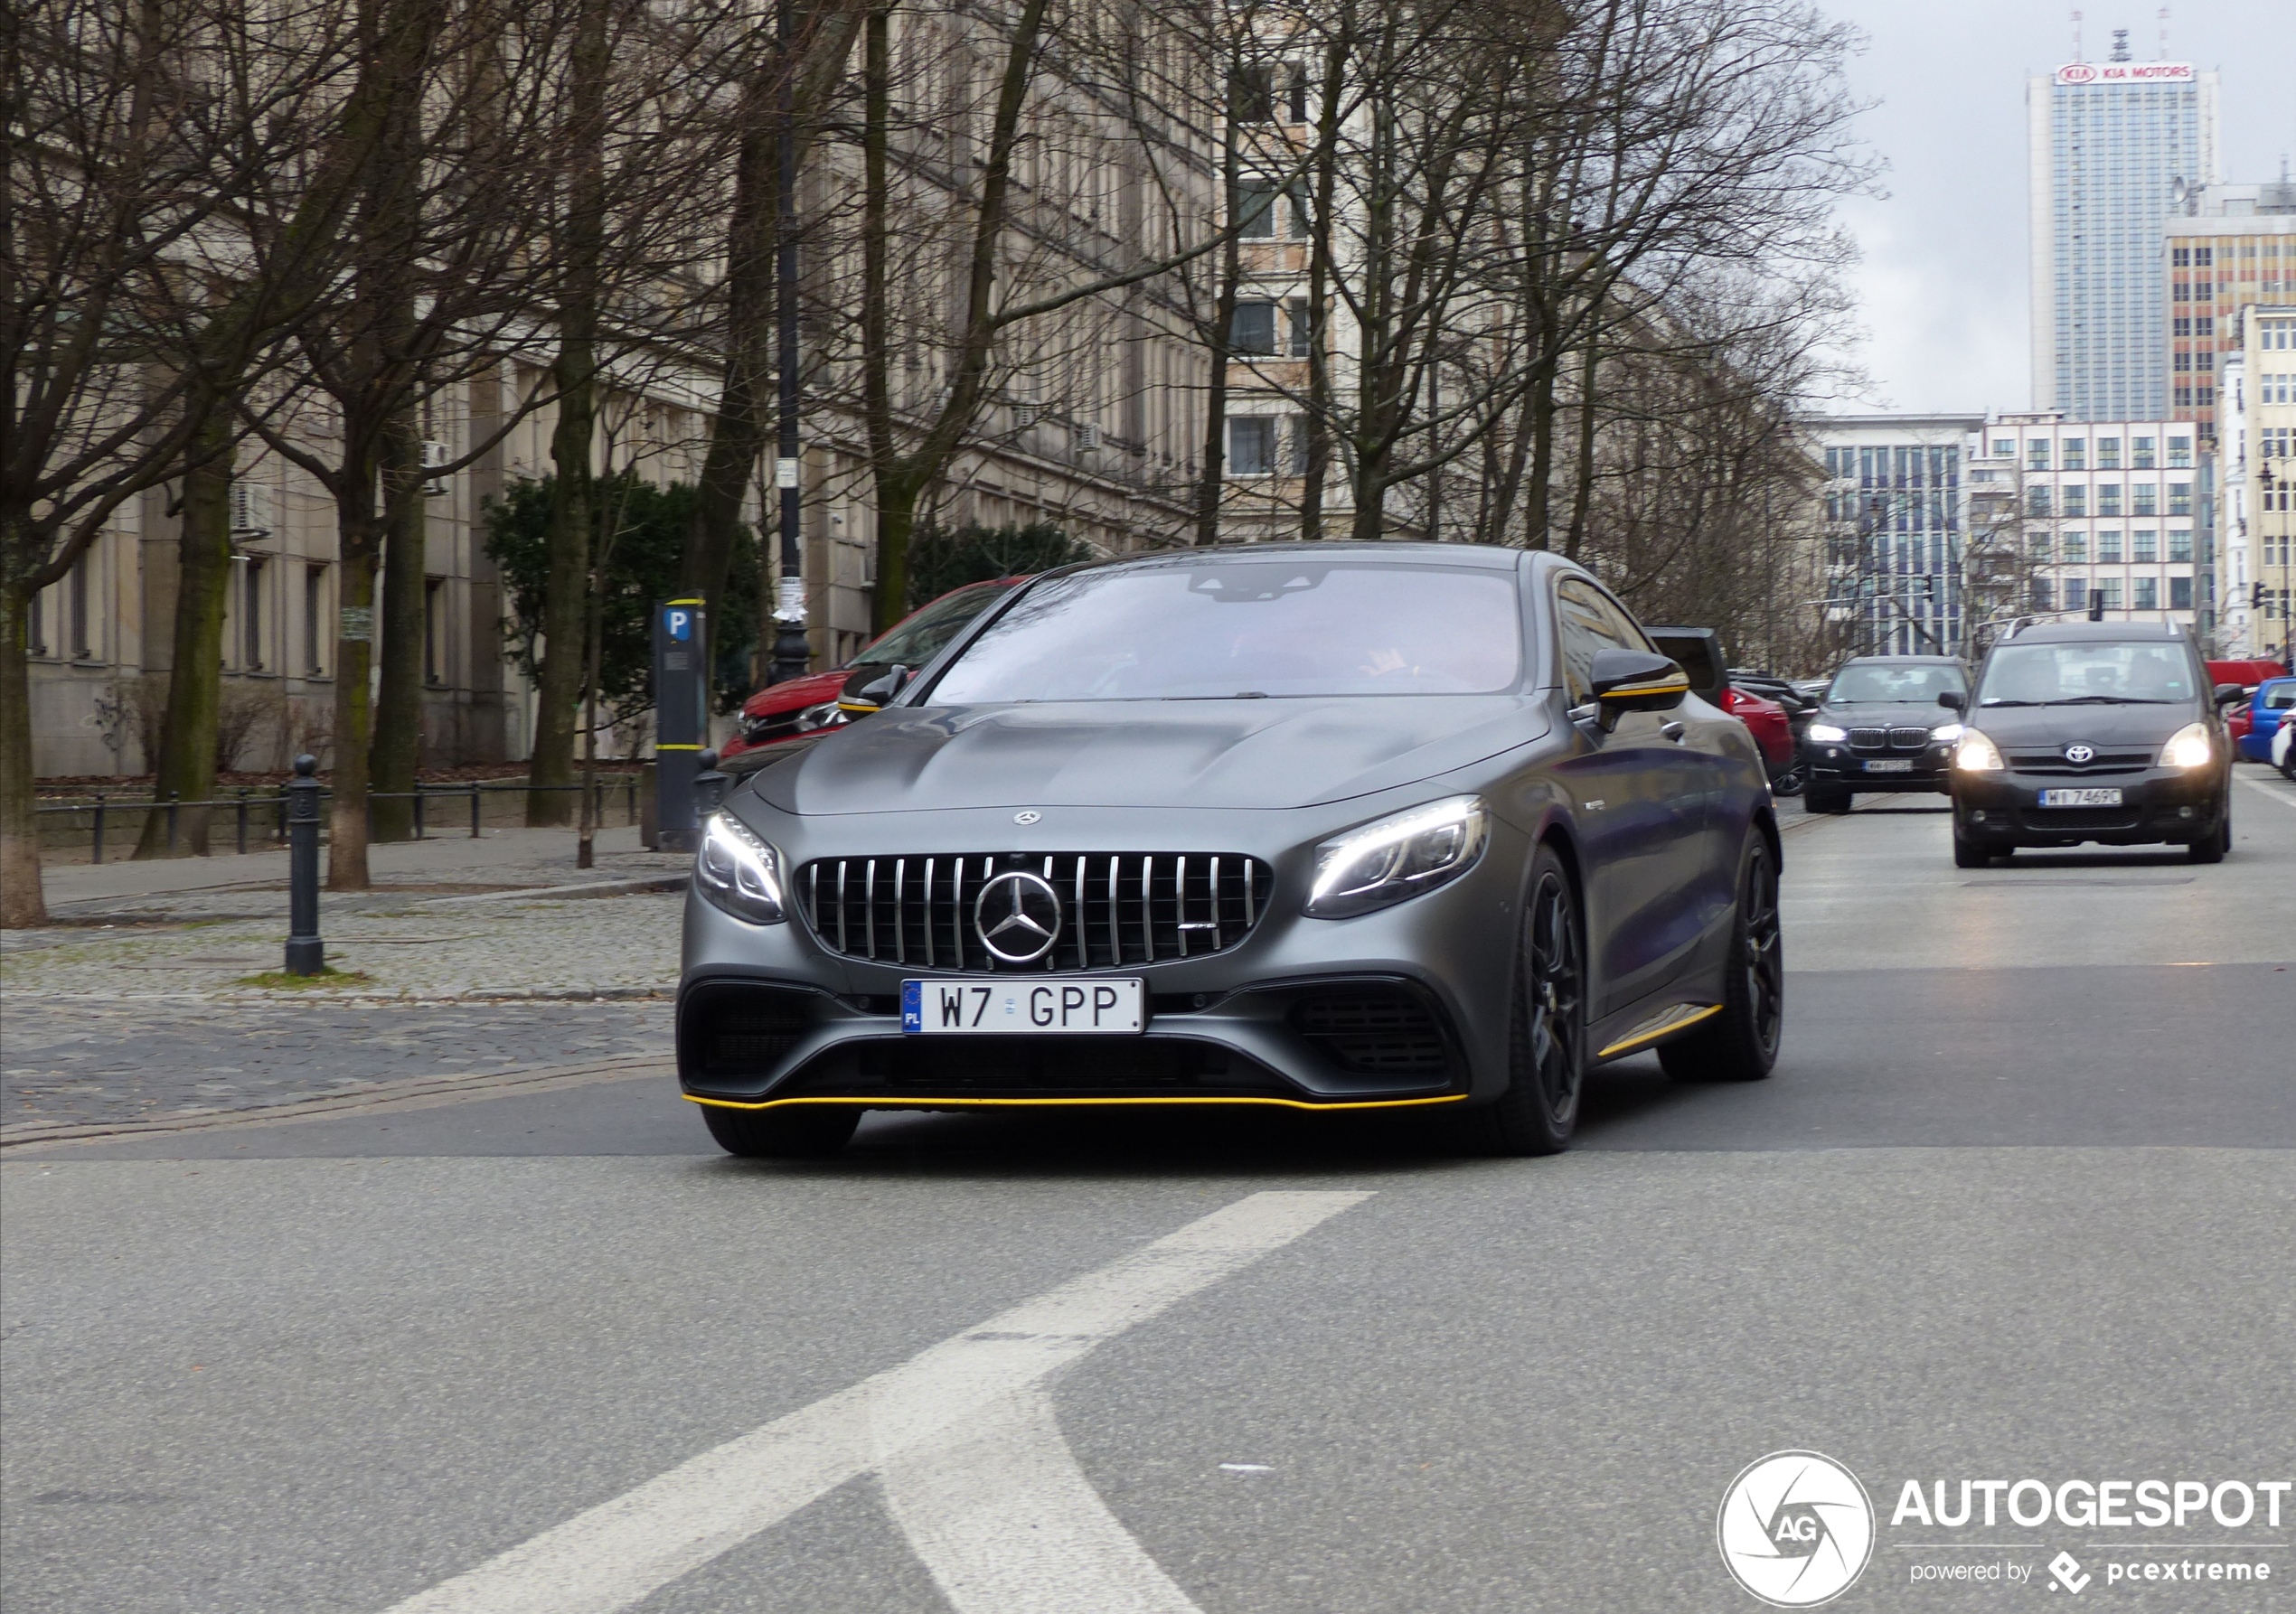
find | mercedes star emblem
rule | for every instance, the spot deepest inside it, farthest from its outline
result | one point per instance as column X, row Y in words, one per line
column 1028, row 817
column 1018, row 916
column 2080, row 754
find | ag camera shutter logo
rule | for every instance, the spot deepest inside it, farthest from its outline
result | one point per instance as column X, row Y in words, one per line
column 1796, row 1529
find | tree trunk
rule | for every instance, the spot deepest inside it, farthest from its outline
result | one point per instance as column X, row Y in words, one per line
column 1220, row 339
column 185, row 766
column 21, row 901
column 359, row 537
column 397, row 723
column 1320, row 267
column 573, row 495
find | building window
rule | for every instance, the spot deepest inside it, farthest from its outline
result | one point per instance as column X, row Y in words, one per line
column 76, row 593
column 434, row 630
column 2004, row 449
column 2037, row 501
column 2109, row 548
column 1295, row 94
column 314, row 621
column 1251, row 446
column 2041, row 594
column 2108, row 589
column 1296, row 443
column 2181, row 258
column 2140, row 453
column 1303, row 327
column 1253, row 328
column 2144, row 544
column 2077, row 454
column 1252, row 93
column 2109, row 499
column 2179, row 453
column 2108, row 453
column 2148, row 596
column 2144, row 499
column 2077, row 501
column 2076, row 594
column 2076, row 548
column 2180, row 593
column 251, row 616
column 2036, row 454
column 2180, row 546
column 35, row 634
column 1256, row 210
column 2180, row 498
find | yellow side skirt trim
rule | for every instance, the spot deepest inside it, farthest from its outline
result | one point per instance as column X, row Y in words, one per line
column 1676, row 1019
column 1071, row 1104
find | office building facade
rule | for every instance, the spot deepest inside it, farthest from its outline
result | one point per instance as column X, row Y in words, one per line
column 2110, row 144
column 2227, row 248
column 1895, row 523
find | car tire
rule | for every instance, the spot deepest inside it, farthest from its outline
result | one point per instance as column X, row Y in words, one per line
column 796, row 1132
column 1826, row 798
column 1546, row 1038
column 2213, row 850
column 1973, row 854
column 1741, row 1043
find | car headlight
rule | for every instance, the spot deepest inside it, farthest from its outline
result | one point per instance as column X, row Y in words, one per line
column 1398, row 857
column 1946, row 734
column 1976, row 754
column 2188, row 747
column 738, row 872
column 1827, row 733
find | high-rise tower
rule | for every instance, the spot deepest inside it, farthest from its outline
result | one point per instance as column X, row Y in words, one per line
column 2110, row 144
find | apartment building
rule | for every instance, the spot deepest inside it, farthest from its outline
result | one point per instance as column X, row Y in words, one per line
column 2256, row 494
column 1896, row 521
column 2225, row 249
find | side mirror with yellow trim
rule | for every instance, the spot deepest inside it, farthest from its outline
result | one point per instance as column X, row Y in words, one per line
column 870, row 688
column 1635, row 681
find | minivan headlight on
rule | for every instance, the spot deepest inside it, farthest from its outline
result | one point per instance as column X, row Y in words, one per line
column 2188, row 747
column 1976, row 754
column 1827, row 733
column 1398, row 857
column 738, row 872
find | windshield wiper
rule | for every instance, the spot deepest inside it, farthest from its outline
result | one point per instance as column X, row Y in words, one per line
column 1999, row 702
column 2109, row 701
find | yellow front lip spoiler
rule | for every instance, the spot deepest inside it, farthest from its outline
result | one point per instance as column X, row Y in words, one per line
column 1074, row 1103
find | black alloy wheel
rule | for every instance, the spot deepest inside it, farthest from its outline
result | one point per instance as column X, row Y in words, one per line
column 792, row 1133
column 1546, row 1047
column 1973, row 854
column 1741, row 1043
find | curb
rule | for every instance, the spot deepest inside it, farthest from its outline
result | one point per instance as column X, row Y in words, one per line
column 621, row 887
column 414, row 1093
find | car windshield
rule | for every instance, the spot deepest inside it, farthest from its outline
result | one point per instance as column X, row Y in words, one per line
column 920, row 638
column 2087, row 672
column 1869, row 683
column 1241, row 629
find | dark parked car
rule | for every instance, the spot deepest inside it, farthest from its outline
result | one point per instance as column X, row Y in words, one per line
column 1324, row 827
column 2093, row 731
column 1879, row 727
column 1698, row 653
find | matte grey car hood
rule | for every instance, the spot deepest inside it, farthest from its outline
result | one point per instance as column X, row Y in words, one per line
column 1224, row 754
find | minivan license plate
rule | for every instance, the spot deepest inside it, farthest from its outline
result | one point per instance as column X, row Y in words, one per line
column 1001, row 1006
column 2093, row 797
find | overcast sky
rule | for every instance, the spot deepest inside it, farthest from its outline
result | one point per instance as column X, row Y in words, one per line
column 1943, row 284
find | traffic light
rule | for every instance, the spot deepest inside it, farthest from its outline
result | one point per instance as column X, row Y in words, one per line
column 2256, row 598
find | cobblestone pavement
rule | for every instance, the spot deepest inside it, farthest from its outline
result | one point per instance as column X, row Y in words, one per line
column 72, row 1061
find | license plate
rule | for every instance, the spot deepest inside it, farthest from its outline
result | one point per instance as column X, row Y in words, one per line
column 1001, row 1006
column 2093, row 797
column 1894, row 765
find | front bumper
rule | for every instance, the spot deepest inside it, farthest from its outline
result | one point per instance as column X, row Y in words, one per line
column 1402, row 1007
column 1838, row 764
column 2157, row 805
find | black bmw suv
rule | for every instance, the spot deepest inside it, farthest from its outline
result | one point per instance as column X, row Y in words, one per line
column 1878, row 727
column 2093, row 731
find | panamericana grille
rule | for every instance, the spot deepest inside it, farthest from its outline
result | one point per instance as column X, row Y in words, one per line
column 1116, row 908
column 2053, row 762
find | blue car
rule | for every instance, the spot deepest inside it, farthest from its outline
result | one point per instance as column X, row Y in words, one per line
column 2271, row 706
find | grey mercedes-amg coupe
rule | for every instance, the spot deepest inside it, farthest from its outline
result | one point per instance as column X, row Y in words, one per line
column 1323, row 826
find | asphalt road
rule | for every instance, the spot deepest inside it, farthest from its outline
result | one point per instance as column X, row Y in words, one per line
column 2018, row 1204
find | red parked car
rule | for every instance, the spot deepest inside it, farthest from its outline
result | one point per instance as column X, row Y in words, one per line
column 798, row 707
column 1767, row 721
column 2247, row 675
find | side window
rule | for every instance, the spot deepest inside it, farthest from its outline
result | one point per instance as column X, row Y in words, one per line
column 1631, row 634
column 1588, row 623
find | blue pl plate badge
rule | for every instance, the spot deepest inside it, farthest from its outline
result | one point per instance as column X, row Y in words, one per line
column 912, row 1006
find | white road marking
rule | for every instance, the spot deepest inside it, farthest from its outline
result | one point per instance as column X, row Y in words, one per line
column 1007, row 1523
column 622, row 1551
column 2258, row 785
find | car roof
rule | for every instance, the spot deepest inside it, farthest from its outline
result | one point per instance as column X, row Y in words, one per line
column 1902, row 662
column 2073, row 632
column 1489, row 557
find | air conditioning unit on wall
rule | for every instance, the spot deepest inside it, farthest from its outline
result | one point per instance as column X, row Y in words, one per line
column 250, row 510
column 1087, row 438
column 434, row 453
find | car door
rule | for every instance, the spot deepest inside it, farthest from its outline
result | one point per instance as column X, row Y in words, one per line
column 1640, row 799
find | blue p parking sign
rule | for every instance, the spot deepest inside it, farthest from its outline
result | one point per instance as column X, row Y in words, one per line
column 677, row 623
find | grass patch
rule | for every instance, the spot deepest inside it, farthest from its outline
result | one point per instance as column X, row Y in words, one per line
column 280, row 980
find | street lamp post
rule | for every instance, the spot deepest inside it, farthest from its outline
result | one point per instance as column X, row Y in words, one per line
column 791, row 654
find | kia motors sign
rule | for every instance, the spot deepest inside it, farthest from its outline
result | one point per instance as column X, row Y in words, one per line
column 2126, row 72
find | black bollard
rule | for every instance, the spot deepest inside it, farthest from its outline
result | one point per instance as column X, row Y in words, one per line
column 307, row 954
column 708, row 785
